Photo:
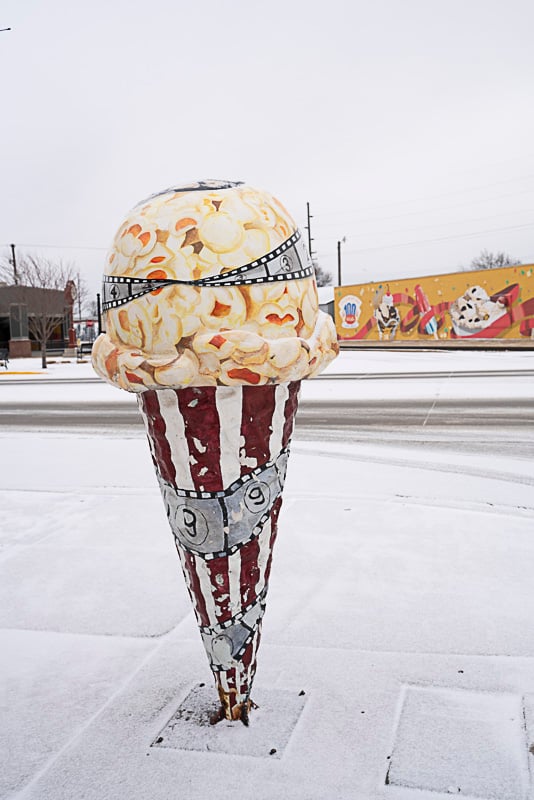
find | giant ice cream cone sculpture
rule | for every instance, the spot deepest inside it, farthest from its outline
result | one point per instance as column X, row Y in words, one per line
column 212, row 318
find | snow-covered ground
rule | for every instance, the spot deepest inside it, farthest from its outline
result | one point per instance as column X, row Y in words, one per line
column 401, row 604
column 353, row 361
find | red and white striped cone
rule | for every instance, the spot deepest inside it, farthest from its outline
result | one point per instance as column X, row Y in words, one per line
column 220, row 455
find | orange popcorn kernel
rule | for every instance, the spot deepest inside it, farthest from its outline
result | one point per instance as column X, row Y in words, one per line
column 220, row 309
column 217, row 341
column 111, row 362
column 124, row 321
column 185, row 223
column 277, row 320
column 245, row 375
column 132, row 377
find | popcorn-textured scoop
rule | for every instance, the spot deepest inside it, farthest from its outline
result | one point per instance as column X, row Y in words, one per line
column 210, row 285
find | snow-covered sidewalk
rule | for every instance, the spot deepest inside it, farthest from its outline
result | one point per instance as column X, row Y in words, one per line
column 401, row 604
column 354, row 361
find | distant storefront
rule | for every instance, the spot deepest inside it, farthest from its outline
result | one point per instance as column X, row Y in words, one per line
column 86, row 329
column 20, row 309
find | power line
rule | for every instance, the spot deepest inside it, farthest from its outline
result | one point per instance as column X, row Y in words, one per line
column 440, row 239
column 420, row 212
column 59, row 246
column 432, row 197
column 446, row 224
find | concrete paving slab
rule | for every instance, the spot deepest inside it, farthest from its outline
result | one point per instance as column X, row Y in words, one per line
column 118, row 520
column 370, row 568
column 462, row 743
column 30, row 517
column 274, row 718
column 92, row 590
column 46, row 696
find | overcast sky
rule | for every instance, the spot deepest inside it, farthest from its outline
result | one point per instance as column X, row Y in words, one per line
column 406, row 124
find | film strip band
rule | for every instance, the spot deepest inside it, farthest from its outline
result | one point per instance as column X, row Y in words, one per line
column 213, row 525
column 237, row 655
column 289, row 261
column 230, row 549
column 226, row 645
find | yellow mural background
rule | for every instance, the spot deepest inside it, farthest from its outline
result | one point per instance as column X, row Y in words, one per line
column 441, row 290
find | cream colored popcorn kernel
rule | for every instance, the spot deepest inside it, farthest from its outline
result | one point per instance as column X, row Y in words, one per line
column 285, row 352
column 183, row 371
column 220, row 233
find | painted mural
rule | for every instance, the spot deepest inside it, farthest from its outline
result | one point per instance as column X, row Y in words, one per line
column 478, row 304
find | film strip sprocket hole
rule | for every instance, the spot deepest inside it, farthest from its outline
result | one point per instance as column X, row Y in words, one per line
column 289, row 261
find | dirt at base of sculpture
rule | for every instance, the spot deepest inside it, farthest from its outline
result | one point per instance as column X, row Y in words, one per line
column 220, row 454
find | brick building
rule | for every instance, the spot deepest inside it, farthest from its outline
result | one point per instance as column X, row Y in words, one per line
column 20, row 309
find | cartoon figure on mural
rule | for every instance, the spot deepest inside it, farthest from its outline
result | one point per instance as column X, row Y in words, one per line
column 475, row 311
column 386, row 314
column 350, row 309
column 427, row 317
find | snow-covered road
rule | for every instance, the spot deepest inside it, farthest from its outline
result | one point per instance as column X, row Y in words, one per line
column 401, row 603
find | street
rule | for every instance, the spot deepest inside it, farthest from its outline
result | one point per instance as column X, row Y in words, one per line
column 462, row 410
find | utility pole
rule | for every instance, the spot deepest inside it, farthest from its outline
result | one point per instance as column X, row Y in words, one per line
column 308, row 228
column 99, row 313
column 14, row 264
column 339, row 260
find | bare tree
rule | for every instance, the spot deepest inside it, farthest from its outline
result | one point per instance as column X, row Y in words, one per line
column 322, row 277
column 488, row 260
column 41, row 285
column 92, row 308
column 84, row 302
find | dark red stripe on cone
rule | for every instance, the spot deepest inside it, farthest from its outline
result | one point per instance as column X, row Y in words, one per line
column 250, row 572
column 202, row 428
column 230, row 677
column 196, row 591
column 290, row 411
column 256, row 425
column 246, row 659
column 156, row 432
column 274, row 527
column 220, row 587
